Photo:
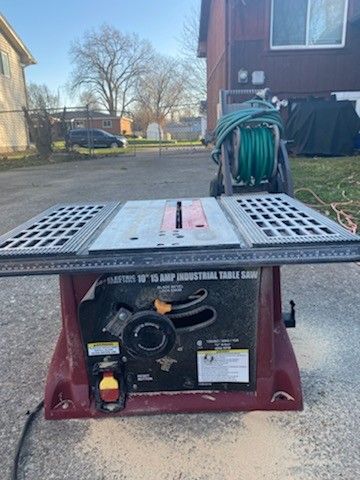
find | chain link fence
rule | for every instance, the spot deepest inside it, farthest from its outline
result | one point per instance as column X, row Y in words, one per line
column 94, row 132
column 103, row 134
column 182, row 131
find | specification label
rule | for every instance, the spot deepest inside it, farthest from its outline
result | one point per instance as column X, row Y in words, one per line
column 223, row 366
column 103, row 349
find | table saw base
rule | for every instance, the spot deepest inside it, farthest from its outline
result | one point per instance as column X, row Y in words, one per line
column 278, row 384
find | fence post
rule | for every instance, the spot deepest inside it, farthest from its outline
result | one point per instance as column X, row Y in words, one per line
column 160, row 140
column 88, row 129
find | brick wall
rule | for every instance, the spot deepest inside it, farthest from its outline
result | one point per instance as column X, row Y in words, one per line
column 114, row 125
column 126, row 126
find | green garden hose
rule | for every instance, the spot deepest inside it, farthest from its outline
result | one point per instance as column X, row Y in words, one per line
column 250, row 132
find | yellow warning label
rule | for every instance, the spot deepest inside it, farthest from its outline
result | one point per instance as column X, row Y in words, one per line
column 219, row 352
column 103, row 348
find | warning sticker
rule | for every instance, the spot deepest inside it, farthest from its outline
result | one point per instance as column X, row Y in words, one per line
column 103, row 348
column 223, row 366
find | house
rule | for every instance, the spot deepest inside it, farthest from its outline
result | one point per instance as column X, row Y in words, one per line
column 187, row 128
column 14, row 57
column 297, row 48
column 94, row 119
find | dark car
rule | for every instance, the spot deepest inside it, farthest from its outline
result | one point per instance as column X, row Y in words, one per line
column 94, row 138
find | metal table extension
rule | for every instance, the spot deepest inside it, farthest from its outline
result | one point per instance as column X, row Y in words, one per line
column 248, row 230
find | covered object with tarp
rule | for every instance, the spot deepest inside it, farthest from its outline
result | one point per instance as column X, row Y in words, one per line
column 322, row 127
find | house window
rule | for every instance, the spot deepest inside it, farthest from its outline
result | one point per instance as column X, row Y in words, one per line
column 4, row 64
column 107, row 123
column 308, row 24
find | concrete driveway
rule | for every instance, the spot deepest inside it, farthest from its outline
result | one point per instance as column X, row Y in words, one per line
column 322, row 442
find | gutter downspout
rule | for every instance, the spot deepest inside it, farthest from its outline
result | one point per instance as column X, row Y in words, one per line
column 228, row 43
column 26, row 104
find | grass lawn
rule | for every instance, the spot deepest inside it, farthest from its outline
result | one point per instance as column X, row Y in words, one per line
column 59, row 146
column 333, row 180
column 143, row 142
column 134, row 143
column 30, row 158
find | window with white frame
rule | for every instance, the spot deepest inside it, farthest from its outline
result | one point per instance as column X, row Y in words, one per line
column 4, row 64
column 107, row 123
column 308, row 24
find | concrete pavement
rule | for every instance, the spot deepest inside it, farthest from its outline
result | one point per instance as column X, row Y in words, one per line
column 322, row 442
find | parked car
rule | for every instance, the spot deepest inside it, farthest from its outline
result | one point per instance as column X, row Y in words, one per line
column 94, row 138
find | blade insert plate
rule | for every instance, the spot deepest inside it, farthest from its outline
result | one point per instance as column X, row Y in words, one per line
column 158, row 224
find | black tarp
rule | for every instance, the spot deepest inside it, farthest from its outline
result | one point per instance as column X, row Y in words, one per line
column 322, row 127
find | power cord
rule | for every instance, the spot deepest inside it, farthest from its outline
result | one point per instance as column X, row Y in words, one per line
column 30, row 418
column 345, row 219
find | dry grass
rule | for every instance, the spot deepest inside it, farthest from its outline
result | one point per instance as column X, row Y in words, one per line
column 333, row 180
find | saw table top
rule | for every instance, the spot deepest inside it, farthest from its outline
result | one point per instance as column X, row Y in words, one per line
column 163, row 224
column 248, row 230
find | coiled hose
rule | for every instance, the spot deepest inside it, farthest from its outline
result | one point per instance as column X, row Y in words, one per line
column 250, row 133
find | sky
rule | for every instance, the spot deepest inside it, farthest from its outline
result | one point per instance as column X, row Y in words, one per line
column 47, row 27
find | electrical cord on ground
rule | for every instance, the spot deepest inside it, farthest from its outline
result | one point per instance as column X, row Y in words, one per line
column 255, row 155
column 30, row 418
column 344, row 218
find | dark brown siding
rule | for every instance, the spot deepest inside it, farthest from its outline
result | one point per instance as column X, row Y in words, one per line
column 291, row 72
column 216, row 57
column 288, row 72
column 249, row 22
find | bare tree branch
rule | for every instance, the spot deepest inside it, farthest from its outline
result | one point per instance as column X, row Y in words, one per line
column 161, row 89
column 90, row 98
column 40, row 97
column 109, row 63
column 194, row 66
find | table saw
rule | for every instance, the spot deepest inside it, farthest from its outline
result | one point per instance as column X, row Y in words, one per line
column 173, row 305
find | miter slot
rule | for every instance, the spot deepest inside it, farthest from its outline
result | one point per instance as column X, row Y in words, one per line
column 278, row 219
column 178, row 215
column 59, row 230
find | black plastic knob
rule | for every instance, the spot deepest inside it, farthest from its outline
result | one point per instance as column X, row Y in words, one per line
column 148, row 335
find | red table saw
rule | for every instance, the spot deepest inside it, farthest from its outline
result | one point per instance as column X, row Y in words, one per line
column 173, row 305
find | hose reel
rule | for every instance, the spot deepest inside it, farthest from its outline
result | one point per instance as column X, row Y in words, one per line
column 253, row 153
column 250, row 140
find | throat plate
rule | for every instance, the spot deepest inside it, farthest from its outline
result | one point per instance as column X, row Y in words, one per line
column 161, row 224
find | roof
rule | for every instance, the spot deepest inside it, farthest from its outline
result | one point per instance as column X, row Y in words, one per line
column 70, row 114
column 83, row 114
column 14, row 39
column 204, row 25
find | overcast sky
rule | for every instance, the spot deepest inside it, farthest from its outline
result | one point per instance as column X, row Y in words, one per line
column 48, row 26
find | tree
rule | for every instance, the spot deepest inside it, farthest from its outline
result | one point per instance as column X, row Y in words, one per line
column 41, row 100
column 161, row 90
column 40, row 127
column 193, row 65
column 109, row 63
column 88, row 97
column 40, row 97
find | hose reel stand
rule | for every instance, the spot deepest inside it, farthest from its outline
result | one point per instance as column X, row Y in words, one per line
column 249, row 157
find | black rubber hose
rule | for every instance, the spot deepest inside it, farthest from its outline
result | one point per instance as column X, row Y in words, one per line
column 30, row 418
